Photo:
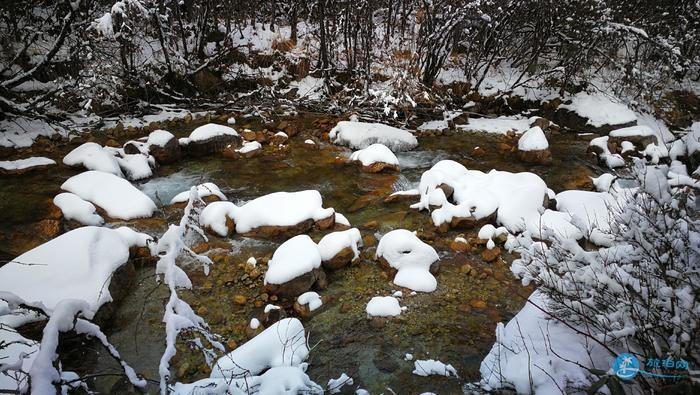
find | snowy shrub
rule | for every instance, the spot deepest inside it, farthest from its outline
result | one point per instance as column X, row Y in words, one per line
column 639, row 295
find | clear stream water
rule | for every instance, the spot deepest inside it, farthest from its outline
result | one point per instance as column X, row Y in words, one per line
column 454, row 324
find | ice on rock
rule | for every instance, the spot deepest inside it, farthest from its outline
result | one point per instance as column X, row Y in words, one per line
column 480, row 195
column 281, row 344
column 293, row 258
column 375, row 153
column 115, row 195
column 360, row 135
column 533, row 140
column 203, row 190
column 275, row 209
column 312, row 299
column 383, row 306
column 431, row 367
column 331, row 244
column 77, row 209
column 76, row 265
column 93, row 156
column 411, row 257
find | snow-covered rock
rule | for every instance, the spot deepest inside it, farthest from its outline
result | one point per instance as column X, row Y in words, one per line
column 273, row 215
column 403, row 251
column 21, row 166
column 533, row 147
column 338, row 249
column 432, row 367
column 479, row 196
column 210, row 139
column 136, row 166
column 203, row 190
column 383, row 306
column 114, row 195
column 360, row 135
column 599, row 146
column 311, row 300
column 600, row 110
column 93, row 156
column 294, row 267
column 77, row 209
column 500, row 125
column 282, row 344
column 164, row 146
column 376, row 158
column 76, row 265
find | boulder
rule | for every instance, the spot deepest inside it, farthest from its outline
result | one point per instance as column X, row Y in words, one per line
column 540, row 157
column 213, row 145
column 340, row 260
column 298, row 285
column 168, row 153
column 378, row 167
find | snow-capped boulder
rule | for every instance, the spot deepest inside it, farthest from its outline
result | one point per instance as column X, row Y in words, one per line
column 338, row 249
column 307, row 302
column 294, row 267
column 116, row 196
column 21, row 166
column 279, row 214
column 402, row 252
column 79, row 264
column 164, row 146
column 533, row 147
column 210, row 139
column 207, row 191
column 383, row 306
column 640, row 136
column 473, row 198
column 76, row 209
column 599, row 147
column 375, row 158
column 248, row 150
column 93, row 156
column 360, row 135
column 594, row 111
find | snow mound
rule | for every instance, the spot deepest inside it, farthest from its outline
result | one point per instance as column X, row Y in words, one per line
column 516, row 198
column 310, row 298
column 93, row 156
column 431, row 367
column 500, row 125
column 159, row 138
column 411, row 257
column 26, row 163
column 383, row 306
column 360, row 135
column 115, row 195
column 76, row 265
column 293, row 258
column 600, row 110
column 331, row 244
column 592, row 211
column 205, row 132
column 136, row 166
column 630, row 131
column 533, row 140
column 75, row 208
column 203, row 190
column 532, row 339
column 282, row 344
column 249, row 146
column 275, row 209
column 373, row 154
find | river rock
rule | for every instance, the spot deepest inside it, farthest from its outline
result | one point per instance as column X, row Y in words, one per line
column 340, row 260
column 540, row 157
column 168, row 153
column 213, row 145
column 248, row 135
column 298, row 285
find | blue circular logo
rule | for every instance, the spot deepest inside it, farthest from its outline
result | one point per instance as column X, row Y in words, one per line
column 626, row 366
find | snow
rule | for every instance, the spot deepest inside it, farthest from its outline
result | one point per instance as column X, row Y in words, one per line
column 383, row 306
column 93, row 156
column 341, row 219
column 373, row 154
column 331, row 244
column 434, row 125
column 408, row 357
column 136, row 166
column 334, row 385
column 500, row 125
column 159, row 138
column 205, row 132
column 293, row 258
column 604, row 182
column 75, row 208
column 611, row 160
column 115, row 195
column 693, row 139
column 75, row 265
column 254, row 323
column 638, row 130
column 360, row 135
column 591, row 210
column 431, row 367
column 411, row 257
column 21, row 164
column 532, row 351
column 481, row 194
column 600, row 109
column 270, row 307
column 310, row 142
column 282, row 344
column 533, row 140
column 17, row 356
column 309, row 87
column 252, row 261
column 203, row 190
column 310, row 298
column 249, row 146
column 275, row 209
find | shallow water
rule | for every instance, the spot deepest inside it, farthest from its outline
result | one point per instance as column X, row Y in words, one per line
column 454, row 324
